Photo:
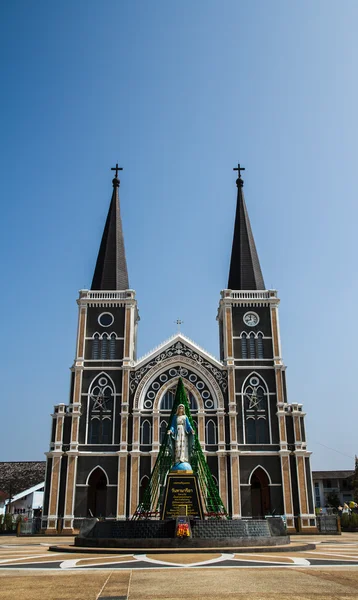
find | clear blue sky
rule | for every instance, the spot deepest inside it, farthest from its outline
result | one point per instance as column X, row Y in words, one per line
column 178, row 93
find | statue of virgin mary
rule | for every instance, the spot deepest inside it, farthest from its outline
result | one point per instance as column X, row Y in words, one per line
column 182, row 436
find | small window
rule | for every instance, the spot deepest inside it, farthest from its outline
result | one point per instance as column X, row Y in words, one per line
column 104, row 347
column 260, row 347
column 252, row 345
column 95, row 347
column 211, row 437
column 112, row 347
column 105, row 319
column 163, row 431
column 146, row 433
column 243, row 346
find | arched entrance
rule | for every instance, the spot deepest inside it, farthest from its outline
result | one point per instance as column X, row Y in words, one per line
column 97, row 494
column 260, row 493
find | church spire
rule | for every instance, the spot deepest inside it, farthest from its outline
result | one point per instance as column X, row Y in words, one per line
column 111, row 267
column 245, row 271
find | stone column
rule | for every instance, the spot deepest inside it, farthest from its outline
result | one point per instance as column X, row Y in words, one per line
column 56, row 454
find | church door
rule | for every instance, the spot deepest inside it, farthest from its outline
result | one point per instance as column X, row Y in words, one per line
column 97, row 494
column 260, row 494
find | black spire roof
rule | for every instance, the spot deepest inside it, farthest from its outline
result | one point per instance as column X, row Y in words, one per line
column 245, row 271
column 111, row 267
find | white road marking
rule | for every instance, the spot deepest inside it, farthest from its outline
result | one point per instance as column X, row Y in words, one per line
column 69, row 564
column 303, row 562
column 15, row 560
column 333, row 554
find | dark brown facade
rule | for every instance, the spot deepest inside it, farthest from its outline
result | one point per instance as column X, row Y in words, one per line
column 104, row 443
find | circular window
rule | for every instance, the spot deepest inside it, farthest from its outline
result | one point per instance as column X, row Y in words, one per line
column 173, row 372
column 205, row 394
column 192, row 378
column 200, row 385
column 102, row 381
column 151, row 394
column 148, row 404
column 163, row 377
column 105, row 319
column 156, row 385
column 209, row 404
column 254, row 381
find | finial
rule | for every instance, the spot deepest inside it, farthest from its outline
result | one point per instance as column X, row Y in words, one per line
column 179, row 322
column 116, row 181
column 239, row 181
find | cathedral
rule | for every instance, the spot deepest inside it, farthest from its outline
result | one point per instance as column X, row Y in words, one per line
column 104, row 443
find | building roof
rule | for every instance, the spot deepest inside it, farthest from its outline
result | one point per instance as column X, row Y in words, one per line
column 245, row 271
column 111, row 267
column 332, row 474
column 26, row 492
column 19, row 476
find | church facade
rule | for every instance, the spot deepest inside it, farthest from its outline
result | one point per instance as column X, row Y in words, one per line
column 105, row 441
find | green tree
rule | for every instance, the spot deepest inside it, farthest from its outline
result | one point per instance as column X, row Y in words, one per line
column 355, row 480
column 333, row 499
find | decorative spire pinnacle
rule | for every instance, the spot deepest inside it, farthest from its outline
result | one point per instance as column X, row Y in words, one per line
column 245, row 271
column 111, row 267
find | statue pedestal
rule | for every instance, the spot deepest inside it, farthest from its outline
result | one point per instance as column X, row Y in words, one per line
column 181, row 497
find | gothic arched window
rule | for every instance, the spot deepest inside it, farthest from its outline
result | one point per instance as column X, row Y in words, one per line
column 95, row 347
column 163, row 431
column 101, row 405
column 260, row 346
column 104, row 346
column 167, row 401
column 255, row 401
column 112, row 346
column 252, row 345
column 146, row 433
column 244, row 345
column 211, row 433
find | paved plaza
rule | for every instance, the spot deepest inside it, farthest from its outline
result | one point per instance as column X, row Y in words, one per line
column 28, row 570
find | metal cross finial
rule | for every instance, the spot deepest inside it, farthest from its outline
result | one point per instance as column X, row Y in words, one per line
column 239, row 169
column 116, row 169
column 179, row 322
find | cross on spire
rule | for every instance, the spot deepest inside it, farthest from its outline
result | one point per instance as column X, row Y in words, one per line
column 116, row 169
column 239, row 168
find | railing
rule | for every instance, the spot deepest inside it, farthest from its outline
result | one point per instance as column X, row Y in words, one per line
column 249, row 295
column 107, row 295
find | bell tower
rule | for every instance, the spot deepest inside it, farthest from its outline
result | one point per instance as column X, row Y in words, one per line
column 268, row 458
column 87, row 461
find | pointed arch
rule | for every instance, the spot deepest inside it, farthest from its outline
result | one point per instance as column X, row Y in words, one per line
column 162, row 430
column 211, row 433
column 100, row 410
column 101, row 374
column 244, row 345
column 112, row 346
column 95, row 346
column 94, row 469
column 263, row 469
column 104, row 346
column 254, row 374
column 252, row 349
column 256, row 410
column 146, row 433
